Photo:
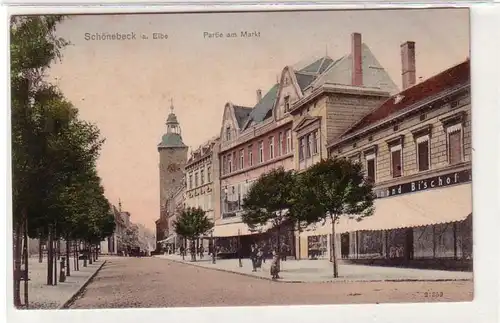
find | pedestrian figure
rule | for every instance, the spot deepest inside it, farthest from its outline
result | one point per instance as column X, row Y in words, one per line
column 253, row 257
column 202, row 251
column 275, row 267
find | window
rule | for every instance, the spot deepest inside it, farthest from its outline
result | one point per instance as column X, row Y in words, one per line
column 287, row 103
column 242, row 158
column 301, row 148
column 235, row 161
column 271, row 147
column 228, row 133
column 202, row 177
column 209, row 174
column 454, row 144
column 396, row 161
column 288, row 141
column 196, row 179
column 308, row 145
column 315, row 147
column 423, row 153
column 190, row 181
column 223, row 166
column 280, row 144
column 229, row 164
column 370, row 167
column 250, row 155
column 261, row 151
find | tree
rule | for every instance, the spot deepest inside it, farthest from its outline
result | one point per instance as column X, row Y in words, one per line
column 269, row 201
column 34, row 46
column 337, row 187
column 191, row 224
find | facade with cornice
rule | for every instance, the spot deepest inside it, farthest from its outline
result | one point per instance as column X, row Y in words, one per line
column 416, row 148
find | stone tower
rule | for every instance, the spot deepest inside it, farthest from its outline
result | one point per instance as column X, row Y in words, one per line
column 173, row 158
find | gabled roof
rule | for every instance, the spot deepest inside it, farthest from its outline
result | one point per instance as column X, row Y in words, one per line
column 304, row 80
column 374, row 75
column 450, row 78
column 318, row 66
column 241, row 113
column 259, row 112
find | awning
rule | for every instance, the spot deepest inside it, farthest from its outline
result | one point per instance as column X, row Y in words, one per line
column 443, row 205
column 168, row 239
column 235, row 229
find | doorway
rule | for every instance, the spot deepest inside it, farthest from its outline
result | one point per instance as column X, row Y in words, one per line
column 344, row 245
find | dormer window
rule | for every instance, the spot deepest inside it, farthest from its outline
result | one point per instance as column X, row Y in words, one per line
column 228, row 133
column 287, row 103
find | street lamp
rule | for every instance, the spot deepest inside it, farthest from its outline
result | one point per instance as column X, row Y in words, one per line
column 239, row 248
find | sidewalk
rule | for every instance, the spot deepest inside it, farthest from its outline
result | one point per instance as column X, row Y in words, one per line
column 42, row 296
column 309, row 271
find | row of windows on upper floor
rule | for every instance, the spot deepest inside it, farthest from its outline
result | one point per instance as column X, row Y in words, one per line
column 454, row 153
column 199, row 178
column 233, row 162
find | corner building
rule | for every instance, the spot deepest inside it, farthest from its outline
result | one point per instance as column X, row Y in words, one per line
column 416, row 147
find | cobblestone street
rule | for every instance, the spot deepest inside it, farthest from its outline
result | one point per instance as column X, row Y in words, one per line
column 153, row 282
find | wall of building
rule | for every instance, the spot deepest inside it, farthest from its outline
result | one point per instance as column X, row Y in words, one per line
column 235, row 184
column 171, row 168
column 438, row 142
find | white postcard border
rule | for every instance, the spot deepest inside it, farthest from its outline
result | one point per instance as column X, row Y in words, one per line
column 485, row 51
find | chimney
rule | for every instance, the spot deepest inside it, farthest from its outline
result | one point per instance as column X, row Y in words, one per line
column 259, row 95
column 408, row 64
column 357, row 60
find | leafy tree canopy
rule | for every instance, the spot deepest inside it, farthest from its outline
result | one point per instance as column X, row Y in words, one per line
column 337, row 187
column 269, row 199
column 192, row 223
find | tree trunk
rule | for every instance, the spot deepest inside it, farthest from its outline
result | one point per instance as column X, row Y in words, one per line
column 17, row 264
column 40, row 249
column 68, row 243
column 85, row 255
column 55, row 261
column 49, row 257
column 26, row 267
column 89, row 253
column 334, row 256
column 58, row 245
column 77, row 255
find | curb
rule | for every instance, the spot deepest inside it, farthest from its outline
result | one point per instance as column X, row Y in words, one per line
column 322, row 281
column 75, row 295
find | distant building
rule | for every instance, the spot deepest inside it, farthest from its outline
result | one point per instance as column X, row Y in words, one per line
column 173, row 156
column 202, row 179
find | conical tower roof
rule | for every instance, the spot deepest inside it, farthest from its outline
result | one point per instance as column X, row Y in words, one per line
column 172, row 138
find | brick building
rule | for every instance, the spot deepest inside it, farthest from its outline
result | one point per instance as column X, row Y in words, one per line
column 202, row 179
column 416, row 147
column 292, row 123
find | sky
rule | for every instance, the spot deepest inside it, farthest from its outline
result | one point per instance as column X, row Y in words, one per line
column 125, row 86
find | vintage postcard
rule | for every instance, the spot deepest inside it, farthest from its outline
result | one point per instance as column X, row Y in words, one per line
column 241, row 158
